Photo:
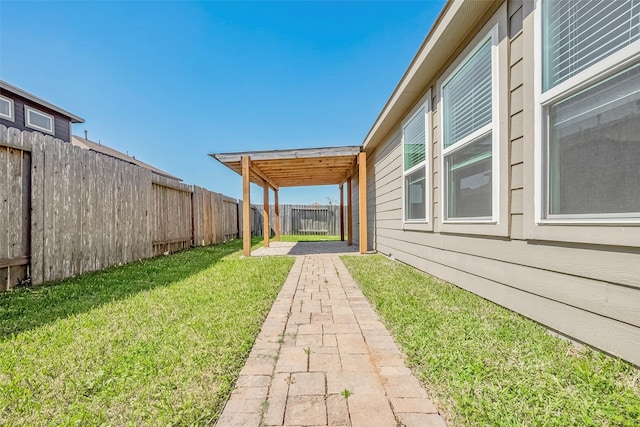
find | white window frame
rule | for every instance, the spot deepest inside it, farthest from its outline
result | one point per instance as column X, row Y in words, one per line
column 595, row 73
column 11, row 116
column 423, row 104
column 492, row 127
column 28, row 110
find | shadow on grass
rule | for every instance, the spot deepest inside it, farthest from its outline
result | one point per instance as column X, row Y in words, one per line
column 30, row 308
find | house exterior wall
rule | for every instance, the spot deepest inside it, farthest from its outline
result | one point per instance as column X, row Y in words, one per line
column 61, row 127
column 578, row 280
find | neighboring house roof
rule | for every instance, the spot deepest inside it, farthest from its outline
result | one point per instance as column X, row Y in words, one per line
column 103, row 149
column 26, row 95
column 446, row 35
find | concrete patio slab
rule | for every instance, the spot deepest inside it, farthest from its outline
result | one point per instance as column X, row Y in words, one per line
column 306, row 248
column 323, row 358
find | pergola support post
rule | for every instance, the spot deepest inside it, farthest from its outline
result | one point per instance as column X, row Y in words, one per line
column 265, row 214
column 276, row 207
column 362, row 200
column 349, row 213
column 246, row 207
column 342, row 212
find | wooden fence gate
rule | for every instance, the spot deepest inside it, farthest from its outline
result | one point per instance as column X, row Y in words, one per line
column 15, row 215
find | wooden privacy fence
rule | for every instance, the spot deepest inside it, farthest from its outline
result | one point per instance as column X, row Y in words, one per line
column 66, row 211
column 15, row 209
column 215, row 217
column 188, row 215
column 300, row 219
column 172, row 227
column 89, row 211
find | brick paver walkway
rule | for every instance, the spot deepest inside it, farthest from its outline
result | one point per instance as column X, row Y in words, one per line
column 321, row 338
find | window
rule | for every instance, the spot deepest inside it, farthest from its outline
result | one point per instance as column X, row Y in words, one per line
column 415, row 155
column 578, row 34
column 38, row 120
column 6, row 108
column 469, row 139
column 590, row 110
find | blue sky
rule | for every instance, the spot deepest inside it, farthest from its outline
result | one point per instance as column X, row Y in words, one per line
column 171, row 81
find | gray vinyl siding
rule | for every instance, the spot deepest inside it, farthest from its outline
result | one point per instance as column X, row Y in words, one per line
column 588, row 292
column 516, row 106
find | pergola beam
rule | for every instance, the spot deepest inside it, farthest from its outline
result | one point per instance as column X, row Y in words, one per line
column 246, row 206
column 264, row 177
column 352, row 170
column 276, row 207
column 307, row 183
column 265, row 216
column 342, row 212
column 300, row 153
column 349, row 214
column 362, row 199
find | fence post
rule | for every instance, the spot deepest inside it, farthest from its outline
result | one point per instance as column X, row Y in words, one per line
column 193, row 227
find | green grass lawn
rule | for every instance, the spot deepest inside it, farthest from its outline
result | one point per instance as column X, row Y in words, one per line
column 307, row 238
column 488, row 366
column 157, row 342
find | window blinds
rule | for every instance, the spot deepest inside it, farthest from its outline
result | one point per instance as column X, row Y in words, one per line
column 414, row 140
column 467, row 97
column 578, row 34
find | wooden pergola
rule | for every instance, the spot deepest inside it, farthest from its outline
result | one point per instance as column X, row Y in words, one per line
column 300, row 167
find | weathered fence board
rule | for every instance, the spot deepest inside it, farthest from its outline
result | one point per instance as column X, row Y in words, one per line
column 37, row 207
column 172, row 216
column 15, row 197
column 230, row 209
column 203, row 217
column 4, row 218
column 214, row 217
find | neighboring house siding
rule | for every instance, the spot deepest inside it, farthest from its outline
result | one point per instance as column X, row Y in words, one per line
column 61, row 124
column 589, row 292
